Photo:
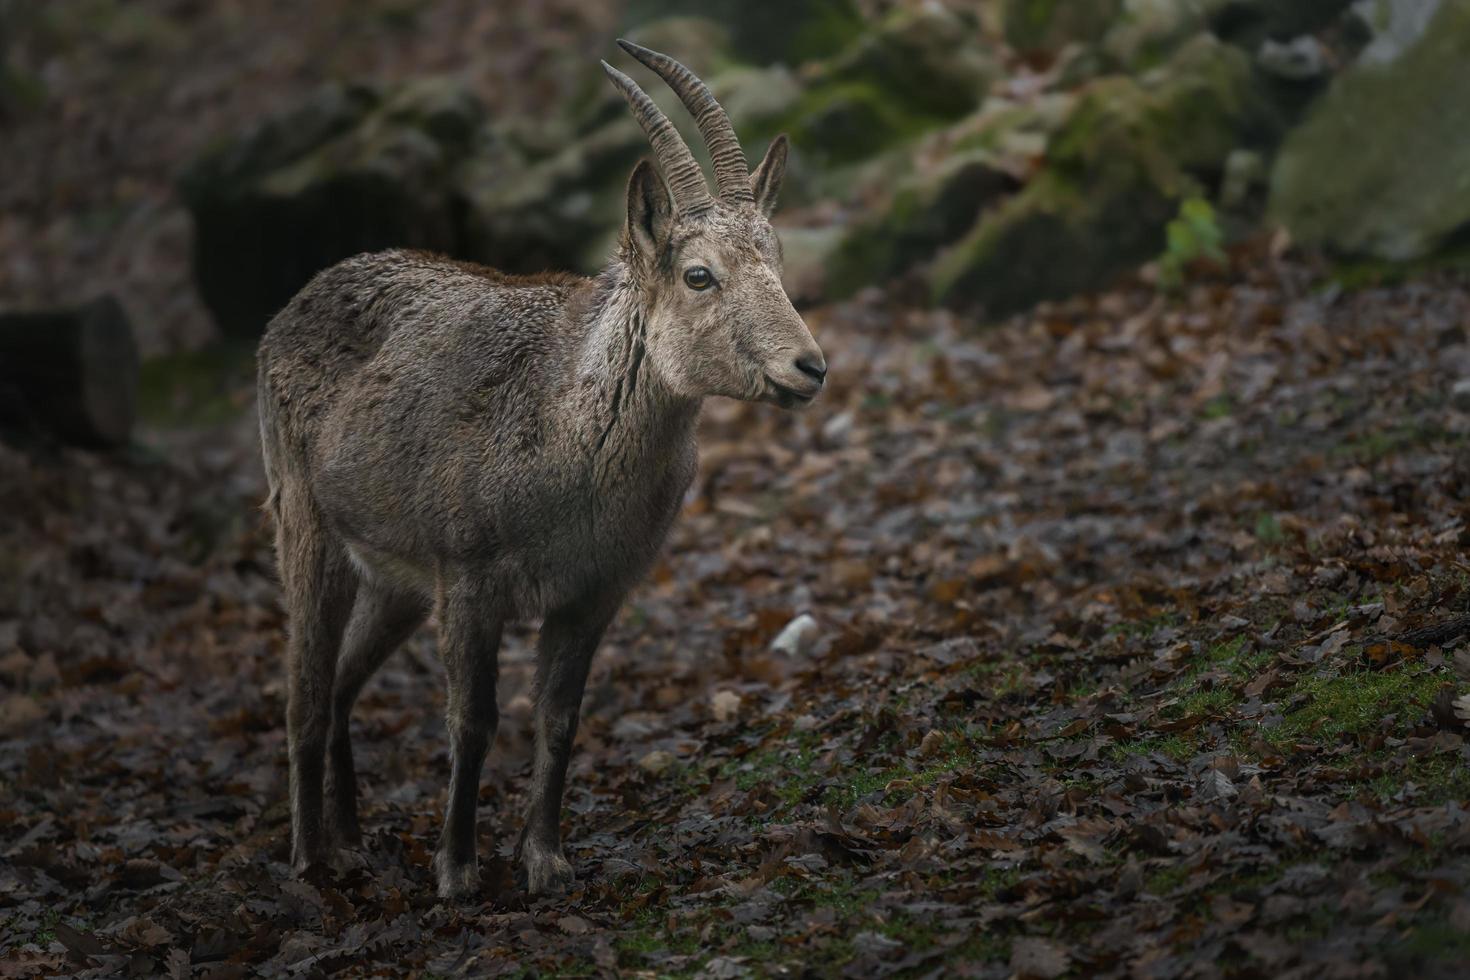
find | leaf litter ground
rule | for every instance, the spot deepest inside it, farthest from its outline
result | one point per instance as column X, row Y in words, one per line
column 1139, row 654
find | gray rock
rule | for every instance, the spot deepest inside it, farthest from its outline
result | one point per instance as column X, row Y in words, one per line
column 1245, row 174
column 352, row 170
column 1460, row 395
column 1115, row 174
column 1301, row 59
column 920, row 68
column 1379, row 166
column 797, row 637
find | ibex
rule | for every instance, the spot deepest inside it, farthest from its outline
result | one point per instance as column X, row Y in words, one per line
column 440, row 435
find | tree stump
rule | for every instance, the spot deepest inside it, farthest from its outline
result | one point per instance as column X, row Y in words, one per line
column 71, row 373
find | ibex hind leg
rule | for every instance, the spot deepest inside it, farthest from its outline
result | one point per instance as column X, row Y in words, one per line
column 383, row 617
column 319, row 583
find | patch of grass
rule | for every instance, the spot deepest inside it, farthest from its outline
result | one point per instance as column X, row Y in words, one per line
column 1177, row 746
column 1268, row 531
column 1166, row 879
column 1432, row 939
column 1234, row 658
column 1214, row 701
column 649, row 933
column 1436, row 779
column 1145, row 628
column 1372, row 447
column 1331, row 707
column 958, row 752
column 1219, row 407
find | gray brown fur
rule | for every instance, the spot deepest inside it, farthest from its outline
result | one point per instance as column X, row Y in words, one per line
column 439, row 436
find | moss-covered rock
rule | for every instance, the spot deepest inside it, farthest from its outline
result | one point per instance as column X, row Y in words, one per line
column 353, row 169
column 1036, row 26
column 929, row 210
column 1381, row 166
column 560, row 212
column 764, row 31
column 1146, row 32
column 929, row 57
column 919, row 69
column 1114, row 175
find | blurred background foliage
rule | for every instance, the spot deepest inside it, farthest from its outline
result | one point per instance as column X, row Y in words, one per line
column 202, row 160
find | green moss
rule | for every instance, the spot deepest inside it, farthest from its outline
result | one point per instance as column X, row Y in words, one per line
column 923, row 56
column 1116, row 172
column 1368, row 273
column 767, row 31
column 1049, row 25
column 926, row 213
column 850, row 120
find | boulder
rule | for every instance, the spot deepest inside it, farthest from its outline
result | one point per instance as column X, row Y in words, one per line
column 1113, row 177
column 70, row 374
column 560, row 212
column 1302, row 59
column 919, row 69
column 1379, row 166
column 352, row 170
column 930, row 209
column 1035, row 27
column 1146, row 32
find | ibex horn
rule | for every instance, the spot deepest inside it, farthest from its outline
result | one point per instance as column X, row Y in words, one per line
column 681, row 171
column 732, row 176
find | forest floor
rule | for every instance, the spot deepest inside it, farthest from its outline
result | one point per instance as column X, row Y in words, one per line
column 1139, row 653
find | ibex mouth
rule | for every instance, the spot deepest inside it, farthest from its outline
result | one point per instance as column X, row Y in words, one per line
column 790, row 397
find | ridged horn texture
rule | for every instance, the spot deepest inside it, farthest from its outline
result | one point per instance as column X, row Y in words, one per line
column 681, row 171
column 732, row 175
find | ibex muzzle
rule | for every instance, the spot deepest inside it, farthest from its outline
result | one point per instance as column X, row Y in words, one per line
column 440, row 436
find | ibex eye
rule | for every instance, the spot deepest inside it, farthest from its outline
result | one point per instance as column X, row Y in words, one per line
column 698, row 277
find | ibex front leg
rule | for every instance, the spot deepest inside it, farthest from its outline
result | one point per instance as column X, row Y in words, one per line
column 569, row 637
column 470, row 641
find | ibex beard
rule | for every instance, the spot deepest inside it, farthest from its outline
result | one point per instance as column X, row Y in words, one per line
column 440, row 436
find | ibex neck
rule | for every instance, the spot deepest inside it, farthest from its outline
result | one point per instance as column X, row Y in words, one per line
column 623, row 409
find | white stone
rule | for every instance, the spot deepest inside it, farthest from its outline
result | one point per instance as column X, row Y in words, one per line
column 797, row 637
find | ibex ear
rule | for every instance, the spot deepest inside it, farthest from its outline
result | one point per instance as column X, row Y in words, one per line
column 650, row 212
column 765, row 183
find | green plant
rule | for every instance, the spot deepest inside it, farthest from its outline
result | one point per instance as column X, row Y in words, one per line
column 1190, row 237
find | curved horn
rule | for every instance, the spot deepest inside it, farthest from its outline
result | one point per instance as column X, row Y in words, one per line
column 732, row 176
column 681, row 171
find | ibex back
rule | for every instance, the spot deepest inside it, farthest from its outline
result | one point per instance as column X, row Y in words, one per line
column 440, row 436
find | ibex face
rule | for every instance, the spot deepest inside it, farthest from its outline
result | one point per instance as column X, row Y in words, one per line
column 720, row 322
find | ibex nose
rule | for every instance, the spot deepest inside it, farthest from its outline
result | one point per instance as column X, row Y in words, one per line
column 814, row 366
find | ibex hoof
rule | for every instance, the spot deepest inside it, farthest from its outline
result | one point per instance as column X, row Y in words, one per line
column 546, row 872
column 456, row 880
